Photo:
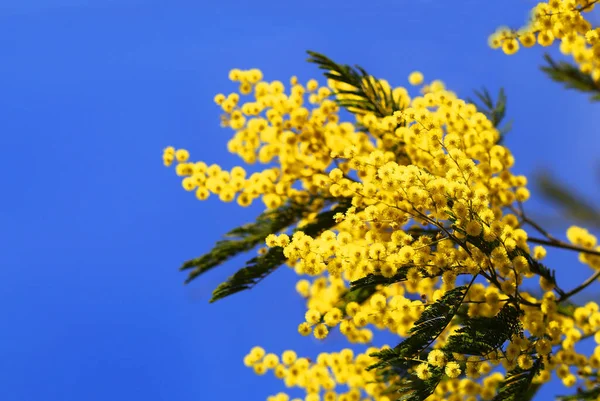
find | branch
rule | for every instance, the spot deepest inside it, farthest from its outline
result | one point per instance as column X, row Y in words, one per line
column 563, row 245
column 581, row 287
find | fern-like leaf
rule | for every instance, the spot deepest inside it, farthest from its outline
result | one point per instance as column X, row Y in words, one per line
column 536, row 267
column 495, row 111
column 572, row 77
column 419, row 390
column 482, row 335
column 434, row 319
column 517, row 383
column 361, row 92
column 256, row 269
column 244, row 238
column 373, row 280
column 261, row 266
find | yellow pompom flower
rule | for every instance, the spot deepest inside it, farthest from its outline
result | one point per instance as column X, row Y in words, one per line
column 539, row 252
column 235, row 74
column 202, row 193
column 452, row 370
column 271, row 361
column 321, row 331
column 182, row 155
column 473, row 228
column 522, row 194
column 527, row 39
column 312, row 316
column 437, row 358
column 423, row 371
column 288, row 357
column 333, row 317
column 260, row 369
column 525, row 361
column 545, row 38
column 304, row 329
column 415, row 78
column 510, row 46
column 257, row 353
column 219, row 98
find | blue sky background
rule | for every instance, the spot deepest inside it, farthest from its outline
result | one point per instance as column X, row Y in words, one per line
column 94, row 227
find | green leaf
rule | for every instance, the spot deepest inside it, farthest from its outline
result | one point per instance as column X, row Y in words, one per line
column 536, row 267
column 359, row 296
column 370, row 96
column 373, row 280
column 256, row 269
column 482, row 335
column 244, row 238
column 495, row 111
column 418, row 390
column 531, row 392
column 261, row 266
column 571, row 77
column 517, row 383
column 434, row 319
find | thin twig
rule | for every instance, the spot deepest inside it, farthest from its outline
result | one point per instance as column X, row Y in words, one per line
column 521, row 213
column 581, row 287
column 563, row 245
column 552, row 241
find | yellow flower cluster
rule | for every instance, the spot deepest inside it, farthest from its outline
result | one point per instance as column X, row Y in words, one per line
column 433, row 201
column 273, row 127
column 558, row 20
column 321, row 376
column 582, row 237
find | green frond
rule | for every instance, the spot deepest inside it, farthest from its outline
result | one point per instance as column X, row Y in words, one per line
column 256, row 269
column 245, row 238
column 495, row 111
column 372, row 280
column 418, row 390
column 535, row 266
column 366, row 94
column 482, row 335
column 359, row 296
column 434, row 319
column 572, row 77
column 516, row 386
column 261, row 266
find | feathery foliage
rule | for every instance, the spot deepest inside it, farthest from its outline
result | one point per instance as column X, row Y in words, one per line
column 418, row 390
column 434, row 319
column 261, row 266
column 359, row 296
column 482, row 335
column 365, row 95
column 494, row 111
column 516, row 384
column 537, row 267
column 571, row 77
column 255, row 270
column 244, row 238
column 435, row 155
column 372, row 280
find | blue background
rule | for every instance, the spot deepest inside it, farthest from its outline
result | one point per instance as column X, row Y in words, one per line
column 94, row 227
